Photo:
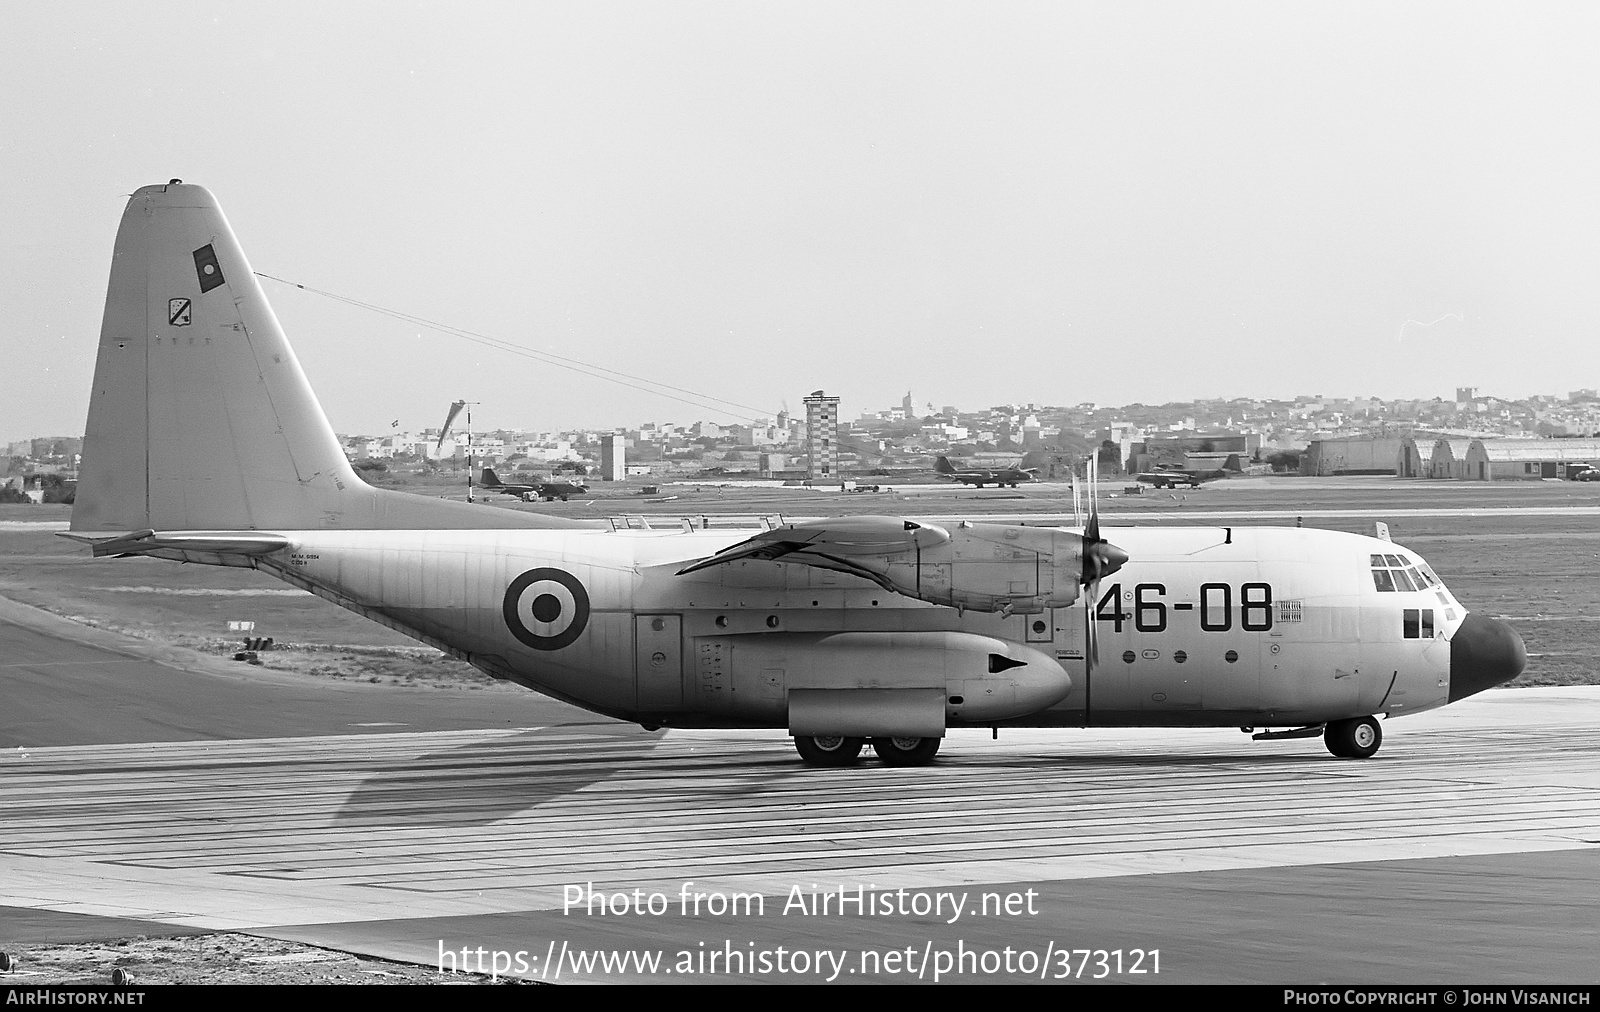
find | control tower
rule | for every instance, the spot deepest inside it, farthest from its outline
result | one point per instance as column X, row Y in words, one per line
column 822, row 444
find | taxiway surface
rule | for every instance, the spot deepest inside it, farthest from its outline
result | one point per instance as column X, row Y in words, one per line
column 1464, row 852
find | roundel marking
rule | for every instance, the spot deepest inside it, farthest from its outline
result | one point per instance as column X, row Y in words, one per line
column 546, row 609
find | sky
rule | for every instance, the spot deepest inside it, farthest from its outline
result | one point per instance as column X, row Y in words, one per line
column 981, row 203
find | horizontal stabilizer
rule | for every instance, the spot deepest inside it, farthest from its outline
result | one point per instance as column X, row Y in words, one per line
column 235, row 548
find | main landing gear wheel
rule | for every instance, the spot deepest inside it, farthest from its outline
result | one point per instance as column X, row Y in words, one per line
column 906, row 751
column 828, row 749
column 1357, row 738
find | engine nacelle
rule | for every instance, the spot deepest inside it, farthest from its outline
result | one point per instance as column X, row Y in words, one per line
column 992, row 567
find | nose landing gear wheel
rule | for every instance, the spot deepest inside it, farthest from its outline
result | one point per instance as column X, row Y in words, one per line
column 1357, row 738
column 906, row 751
column 827, row 749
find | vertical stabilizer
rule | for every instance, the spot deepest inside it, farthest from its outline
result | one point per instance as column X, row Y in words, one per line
column 200, row 417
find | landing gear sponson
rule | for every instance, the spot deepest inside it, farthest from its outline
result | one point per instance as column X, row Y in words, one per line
column 839, row 750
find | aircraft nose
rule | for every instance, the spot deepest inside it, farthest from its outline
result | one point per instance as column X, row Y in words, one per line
column 1483, row 654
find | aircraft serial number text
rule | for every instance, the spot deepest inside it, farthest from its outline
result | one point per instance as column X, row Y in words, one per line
column 1215, row 605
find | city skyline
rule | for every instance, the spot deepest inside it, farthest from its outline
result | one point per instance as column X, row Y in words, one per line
column 852, row 416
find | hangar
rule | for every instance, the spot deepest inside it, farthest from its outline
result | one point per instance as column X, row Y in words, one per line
column 1449, row 458
column 1351, row 455
column 1528, row 459
column 1415, row 460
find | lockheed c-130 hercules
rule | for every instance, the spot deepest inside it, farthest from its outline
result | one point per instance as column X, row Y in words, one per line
column 981, row 476
column 546, row 491
column 205, row 444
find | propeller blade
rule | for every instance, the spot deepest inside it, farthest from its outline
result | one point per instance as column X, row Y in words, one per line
column 1092, row 532
column 1091, row 645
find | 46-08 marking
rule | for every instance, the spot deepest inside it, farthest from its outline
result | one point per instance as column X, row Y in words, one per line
column 1216, row 607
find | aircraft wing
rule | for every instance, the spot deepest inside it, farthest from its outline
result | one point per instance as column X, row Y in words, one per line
column 830, row 544
column 985, row 567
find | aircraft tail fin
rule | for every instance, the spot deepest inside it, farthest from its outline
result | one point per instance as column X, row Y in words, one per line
column 943, row 466
column 490, row 479
column 200, row 417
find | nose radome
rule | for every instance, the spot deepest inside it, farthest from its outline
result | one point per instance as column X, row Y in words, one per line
column 1483, row 653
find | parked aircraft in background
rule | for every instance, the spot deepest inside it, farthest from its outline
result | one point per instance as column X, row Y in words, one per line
column 1174, row 475
column 539, row 490
column 205, row 444
column 980, row 477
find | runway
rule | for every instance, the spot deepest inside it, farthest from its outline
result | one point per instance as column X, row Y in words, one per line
column 1465, row 852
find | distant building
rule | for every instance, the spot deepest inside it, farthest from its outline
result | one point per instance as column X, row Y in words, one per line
column 1449, row 458
column 613, row 458
column 1207, row 450
column 822, row 436
column 1529, row 459
column 1416, row 455
column 1351, row 455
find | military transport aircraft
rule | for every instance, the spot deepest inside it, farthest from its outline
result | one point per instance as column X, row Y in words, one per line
column 982, row 476
column 205, row 444
column 539, row 490
column 1173, row 475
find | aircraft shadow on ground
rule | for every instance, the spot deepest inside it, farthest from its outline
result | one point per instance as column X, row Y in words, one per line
column 488, row 781
column 1144, row 760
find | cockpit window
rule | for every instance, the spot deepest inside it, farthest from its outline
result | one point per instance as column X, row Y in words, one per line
column 1396, row 574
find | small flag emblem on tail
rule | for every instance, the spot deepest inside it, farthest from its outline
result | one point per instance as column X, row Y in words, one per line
column 179, row 312
column 207, row 268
